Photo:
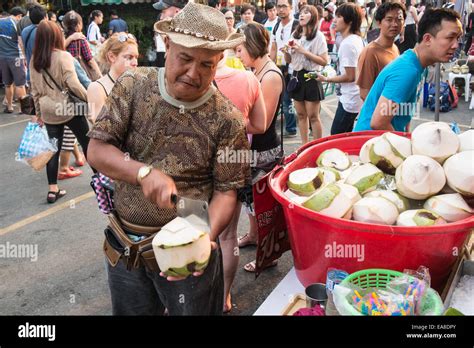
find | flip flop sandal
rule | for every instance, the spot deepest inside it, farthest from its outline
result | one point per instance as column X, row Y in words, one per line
column 250, row 267
column 63, row 176
column 54, row 196
column 8, row 111
column 245, row 241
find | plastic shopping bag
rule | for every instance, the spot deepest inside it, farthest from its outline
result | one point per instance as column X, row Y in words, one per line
column 36, row 149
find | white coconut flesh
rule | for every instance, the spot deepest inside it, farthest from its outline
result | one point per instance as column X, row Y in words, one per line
column 334, row 158
column 450, row 207
column 334, row 200
column 330, row 175
column 419, row 217
column 181, row 249
column 419, row 177
column 466, row 140
column 294, row 197
column 365, row 177
column 305, row 181
column 400, row 202
column 459, row 170
column 435, row 140
column 388, row 151
column 364, row 153
column 376, row 210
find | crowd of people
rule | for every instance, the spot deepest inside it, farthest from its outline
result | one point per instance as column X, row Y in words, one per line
column 218, row 86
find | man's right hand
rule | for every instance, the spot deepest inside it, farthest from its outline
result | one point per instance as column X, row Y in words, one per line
column 158, row 188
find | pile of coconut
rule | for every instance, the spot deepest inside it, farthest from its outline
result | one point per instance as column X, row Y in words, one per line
column 394, row 180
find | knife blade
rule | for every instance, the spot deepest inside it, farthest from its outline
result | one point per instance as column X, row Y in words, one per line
column 195, row 211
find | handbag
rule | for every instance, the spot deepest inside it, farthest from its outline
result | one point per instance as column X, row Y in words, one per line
column 36, row 149
column 68, row 101
column 91, row 73
column 293, row 83
column 27, row 105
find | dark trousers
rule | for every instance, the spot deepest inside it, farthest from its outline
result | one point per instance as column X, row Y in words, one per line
column 79, row 127
column 142, row 292
column 343, row 121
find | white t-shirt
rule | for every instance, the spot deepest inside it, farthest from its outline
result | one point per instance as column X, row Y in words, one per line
column 269, row 25
column 93, row 33
column 348, row 55
column 281, row 39
column 317, row 46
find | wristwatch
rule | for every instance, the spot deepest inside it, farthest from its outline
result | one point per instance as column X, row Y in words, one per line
column 143, row 172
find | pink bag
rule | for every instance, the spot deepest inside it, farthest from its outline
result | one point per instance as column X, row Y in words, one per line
column 103, row 187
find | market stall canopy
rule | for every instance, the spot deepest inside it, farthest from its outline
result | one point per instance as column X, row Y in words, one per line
column 112, row 2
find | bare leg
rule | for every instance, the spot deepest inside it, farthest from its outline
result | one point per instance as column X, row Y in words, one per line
column 303, row 123
column 230, row 255
column 312, row 109
column 78, row 154
column 20, row 92
column 64, row 159
column 9, row 96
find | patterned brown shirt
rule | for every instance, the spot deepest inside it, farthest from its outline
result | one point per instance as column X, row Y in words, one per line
column 182, row 139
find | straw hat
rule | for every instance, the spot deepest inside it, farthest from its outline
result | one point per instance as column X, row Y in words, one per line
column 199, row 26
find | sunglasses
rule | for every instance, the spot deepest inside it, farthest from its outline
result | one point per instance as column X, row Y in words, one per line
column 229, row 18
column 126, row 37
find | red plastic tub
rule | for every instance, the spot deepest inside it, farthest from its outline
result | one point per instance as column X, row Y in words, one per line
column 319, row 241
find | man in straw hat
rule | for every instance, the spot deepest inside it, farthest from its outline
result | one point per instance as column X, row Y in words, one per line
column 163, row 132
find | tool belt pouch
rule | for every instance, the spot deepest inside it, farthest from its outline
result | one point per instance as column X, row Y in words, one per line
column 118, row 245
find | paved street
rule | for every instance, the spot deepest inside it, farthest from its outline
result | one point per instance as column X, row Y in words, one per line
column 68, row 277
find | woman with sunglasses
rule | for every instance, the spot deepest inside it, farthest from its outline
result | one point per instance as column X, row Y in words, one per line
column 119, row 53
column 307, row 51
column 231, row 60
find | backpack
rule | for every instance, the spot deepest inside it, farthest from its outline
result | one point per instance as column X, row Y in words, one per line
column 293, row 26
column 447, row 95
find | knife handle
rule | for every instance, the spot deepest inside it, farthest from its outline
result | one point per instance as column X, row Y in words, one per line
column 174, row 199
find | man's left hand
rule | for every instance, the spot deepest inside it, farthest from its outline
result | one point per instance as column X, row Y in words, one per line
column 195, row 274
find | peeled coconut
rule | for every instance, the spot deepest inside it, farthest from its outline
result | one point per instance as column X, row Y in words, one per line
column 400, row 202
column 466, row 140
column 419, row 217
column 305, row 181
column 335, row 200
column 181, row 249
column 375, row 210
column 334, row 158
column 388, row 151
column 450, row 207
column 419, row 177
column 365, row 177
column 365, row 150
column 459, row 170
column 435, row 140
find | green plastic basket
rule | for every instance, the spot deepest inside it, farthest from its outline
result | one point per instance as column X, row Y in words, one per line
column 431, row 303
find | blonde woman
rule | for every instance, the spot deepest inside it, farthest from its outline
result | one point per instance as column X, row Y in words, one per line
column 119, row 53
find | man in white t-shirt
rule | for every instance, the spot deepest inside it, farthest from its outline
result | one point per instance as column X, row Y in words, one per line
column 271, row 11
column 169, row 9
column 280, row 36
column 348, row 21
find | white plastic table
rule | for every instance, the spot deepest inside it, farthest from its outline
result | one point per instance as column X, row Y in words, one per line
column 282, row 295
